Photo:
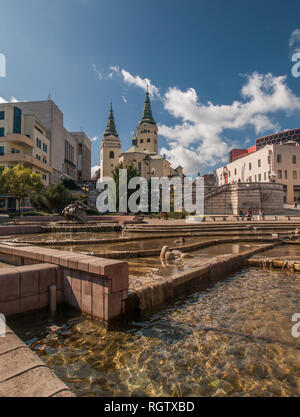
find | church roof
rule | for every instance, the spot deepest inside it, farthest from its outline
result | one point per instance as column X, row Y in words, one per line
column 136, row 149
column 110, row 127
column 147, row 112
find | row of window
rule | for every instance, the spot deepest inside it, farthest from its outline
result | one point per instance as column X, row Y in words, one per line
column 12, row 150
column 294, row 174
column 279, row 159
column 69, row 152
column 38, row 157
column 39, row 144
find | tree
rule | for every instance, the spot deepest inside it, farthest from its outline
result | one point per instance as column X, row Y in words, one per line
column 2, row 180
column 20, row 182
column 131, row 173
column 53, row 199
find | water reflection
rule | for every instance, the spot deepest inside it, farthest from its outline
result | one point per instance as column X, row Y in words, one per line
column 231, row 340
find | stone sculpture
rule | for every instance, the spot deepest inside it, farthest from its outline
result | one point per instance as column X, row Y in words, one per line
column 75, row 211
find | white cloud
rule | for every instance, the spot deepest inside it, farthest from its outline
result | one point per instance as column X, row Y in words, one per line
column 135, row 80
column 99, row 75
column 93, row 139
column 12, row 100
column 198, row 141
column 94, row 169
column 124, row 99
column 294, row 42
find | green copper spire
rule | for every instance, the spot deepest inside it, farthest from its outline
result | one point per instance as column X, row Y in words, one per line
column 111, row 127
column 147, row 113
column 134, row 140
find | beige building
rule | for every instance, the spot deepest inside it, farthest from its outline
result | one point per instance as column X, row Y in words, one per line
column 278, row 163
column 143, row 153
column 70, row 153
column 23, row 139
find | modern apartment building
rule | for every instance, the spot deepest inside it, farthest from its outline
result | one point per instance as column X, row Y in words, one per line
column 70, row 153
column 277, row 161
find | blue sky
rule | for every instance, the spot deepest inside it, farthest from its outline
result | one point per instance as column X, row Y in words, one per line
column 219, row 71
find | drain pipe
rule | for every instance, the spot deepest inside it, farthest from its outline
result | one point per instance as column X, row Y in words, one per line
column 52, row 289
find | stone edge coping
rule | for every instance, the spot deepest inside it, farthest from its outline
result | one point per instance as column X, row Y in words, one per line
column 125, row 239
column 24, row 374
column 184, row 248
column 105, row 267
column 195, row 272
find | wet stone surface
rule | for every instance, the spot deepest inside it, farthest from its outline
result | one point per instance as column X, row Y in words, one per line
column 231, row 340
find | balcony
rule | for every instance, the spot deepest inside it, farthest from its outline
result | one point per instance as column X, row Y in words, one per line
column 18, row 139
column 25, row 159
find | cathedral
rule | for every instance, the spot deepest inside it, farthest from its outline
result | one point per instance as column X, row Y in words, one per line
column 143, row 153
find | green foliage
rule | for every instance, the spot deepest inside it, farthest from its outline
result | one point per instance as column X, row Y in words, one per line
column 20, row 182
column 131, row 173
column 53, row 199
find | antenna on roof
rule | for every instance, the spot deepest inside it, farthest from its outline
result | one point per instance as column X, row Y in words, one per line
column 49, row 96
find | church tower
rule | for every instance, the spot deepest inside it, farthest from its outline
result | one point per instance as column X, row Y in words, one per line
column 110, row 147
column 147, row 138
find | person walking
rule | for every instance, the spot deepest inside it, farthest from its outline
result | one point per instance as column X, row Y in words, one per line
column 249, row 214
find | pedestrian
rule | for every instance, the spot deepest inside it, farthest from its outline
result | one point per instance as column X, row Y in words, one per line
column 261, row 214
column 242, row 214
column 249, row 214
column 295, row 203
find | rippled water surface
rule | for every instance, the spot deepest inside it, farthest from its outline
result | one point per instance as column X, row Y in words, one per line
column 230, row 340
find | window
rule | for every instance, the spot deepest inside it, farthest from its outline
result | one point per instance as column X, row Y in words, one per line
column 44, row 177
column 14, row 150
column 234, row 171
column 294, row 160
column 148, row 140
column 2, row 115
column 142, row 141
column 140, row 167
column 255, row 178
column 258, row 163
column 294, row 175
column 45, row 147
column 265, row 176
column 269, row 159
column 38, row 157
column 38, row 129
column 279, row 174
column 279, row 158
column 38, row 143
column 285, row 174
column 69, row 153
column 259, row 177
column 111, row 154
column 1, row 132
column 250, row 166
column 17, row 120
column 44, row 160
column 1, row 150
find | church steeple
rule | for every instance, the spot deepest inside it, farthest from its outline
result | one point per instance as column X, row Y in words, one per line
column 147, row 112
column 111, row 127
